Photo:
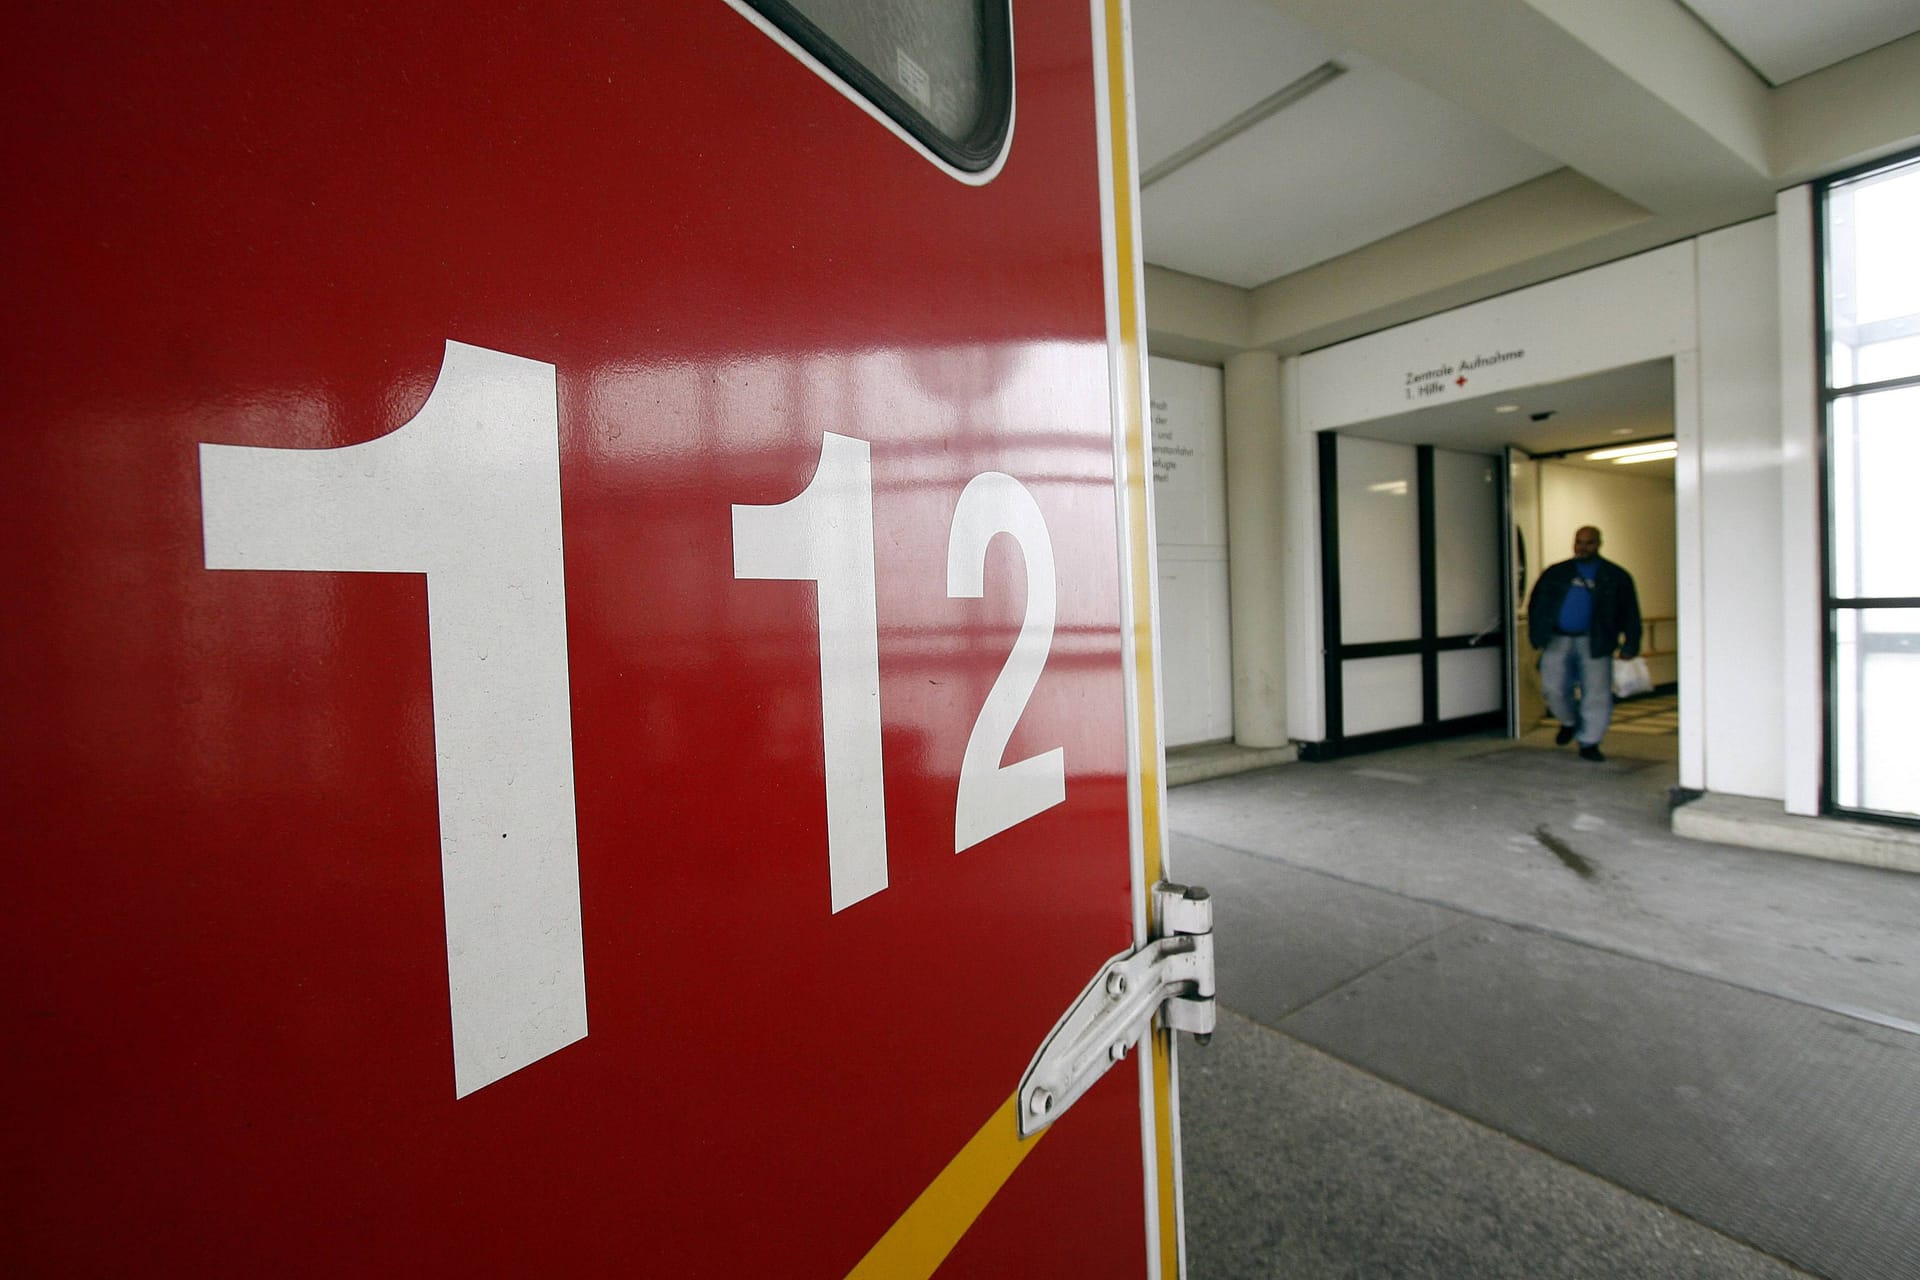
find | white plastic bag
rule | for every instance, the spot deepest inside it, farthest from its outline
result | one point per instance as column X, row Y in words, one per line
column 1631, row 677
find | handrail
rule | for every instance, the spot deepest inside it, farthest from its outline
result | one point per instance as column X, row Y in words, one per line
column 1649, row 625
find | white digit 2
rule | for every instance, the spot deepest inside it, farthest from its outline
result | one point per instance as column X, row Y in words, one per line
column 468, row 493
column 993, row 796
column 826, row 535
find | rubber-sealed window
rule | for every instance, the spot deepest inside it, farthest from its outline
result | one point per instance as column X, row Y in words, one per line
column 943, row 69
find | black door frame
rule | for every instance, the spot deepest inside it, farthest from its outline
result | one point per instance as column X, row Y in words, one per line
column 1430, row 644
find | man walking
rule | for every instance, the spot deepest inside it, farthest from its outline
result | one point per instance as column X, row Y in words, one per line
column 1579, row 612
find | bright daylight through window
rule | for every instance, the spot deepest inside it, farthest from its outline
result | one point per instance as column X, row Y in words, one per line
column 1873, row 490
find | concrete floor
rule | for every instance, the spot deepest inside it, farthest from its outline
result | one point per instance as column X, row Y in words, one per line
column 1486, row 1016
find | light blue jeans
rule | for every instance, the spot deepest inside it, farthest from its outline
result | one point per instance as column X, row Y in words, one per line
column 1566, row 665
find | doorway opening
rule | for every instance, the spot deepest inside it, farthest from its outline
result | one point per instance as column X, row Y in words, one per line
column 1435, row 525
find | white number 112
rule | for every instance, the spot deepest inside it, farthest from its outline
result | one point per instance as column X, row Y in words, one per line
column 825, row 535
column 468, row 493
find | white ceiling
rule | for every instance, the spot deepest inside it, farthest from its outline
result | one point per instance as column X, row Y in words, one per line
column 1431, row 116
column 1468, row 147
column 1634, row 402
column 1786, row 39
column 1202, row 62
column 1366, row 156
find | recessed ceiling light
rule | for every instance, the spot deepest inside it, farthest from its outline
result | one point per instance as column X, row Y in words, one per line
column 1621, row 431
column 1506, row 408
column 1636, row 451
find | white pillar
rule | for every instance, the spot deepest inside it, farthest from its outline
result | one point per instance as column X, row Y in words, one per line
column 1802, row 611
column 1256, row 549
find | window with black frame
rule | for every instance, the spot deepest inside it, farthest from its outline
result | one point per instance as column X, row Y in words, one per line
column 1871, row 229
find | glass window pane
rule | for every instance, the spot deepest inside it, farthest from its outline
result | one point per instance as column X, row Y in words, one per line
column 1380, row 694
column 942, row 68
column 1874, row 474
column 1472, row 681
column 1466, row 526
column 1873, row 277
column 1887, row 360
column 1876, row 703
column 1379, row 506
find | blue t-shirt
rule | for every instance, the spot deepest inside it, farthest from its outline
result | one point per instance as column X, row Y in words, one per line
column 1576, row 609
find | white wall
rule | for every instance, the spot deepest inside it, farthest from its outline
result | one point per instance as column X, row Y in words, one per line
column 1466, row 535
column 1740, row 467
column 1640, row 308
column 1379, row 536
column 1710, row 304
column 1636, row 521
column 1190, row 524
column 1378, row 489
column 1803, row 670
column 1468, row 598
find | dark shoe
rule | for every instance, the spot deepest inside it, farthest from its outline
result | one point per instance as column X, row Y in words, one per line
column 1565, row 735
column 1593, row 754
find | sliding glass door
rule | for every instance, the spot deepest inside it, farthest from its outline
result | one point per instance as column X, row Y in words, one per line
column 1413, row 604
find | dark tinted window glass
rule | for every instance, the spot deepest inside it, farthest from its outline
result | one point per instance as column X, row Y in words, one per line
column 942, row 68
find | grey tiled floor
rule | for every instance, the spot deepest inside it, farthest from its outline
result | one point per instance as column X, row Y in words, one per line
column 1454, row 1049
column 1328, row 1171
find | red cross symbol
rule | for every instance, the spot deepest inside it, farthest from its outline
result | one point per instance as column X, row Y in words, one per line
column 1460, row 381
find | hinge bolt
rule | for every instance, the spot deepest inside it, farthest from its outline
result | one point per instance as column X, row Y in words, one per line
column 1039, row 1102
column 1116, row 984
column 1117, row 1051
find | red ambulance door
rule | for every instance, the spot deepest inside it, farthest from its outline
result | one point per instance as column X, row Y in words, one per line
column 581, row 687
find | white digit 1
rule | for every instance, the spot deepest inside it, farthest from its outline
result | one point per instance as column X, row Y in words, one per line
column 993, row 796
column 825, row 535
column 468, row 493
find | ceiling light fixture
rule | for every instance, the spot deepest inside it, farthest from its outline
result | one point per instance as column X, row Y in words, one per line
column 1506, row 408
column 1633, row 450
column 1318, row 78
column 1628, row 461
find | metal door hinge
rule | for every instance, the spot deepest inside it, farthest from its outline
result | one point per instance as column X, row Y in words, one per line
column 1172, row 976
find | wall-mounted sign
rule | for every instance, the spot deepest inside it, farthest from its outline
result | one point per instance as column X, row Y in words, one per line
column 1168, row 448
column 1189, row 455
column 1424, row 384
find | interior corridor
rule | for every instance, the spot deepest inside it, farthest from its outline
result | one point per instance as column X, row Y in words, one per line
column 1485, row 1015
